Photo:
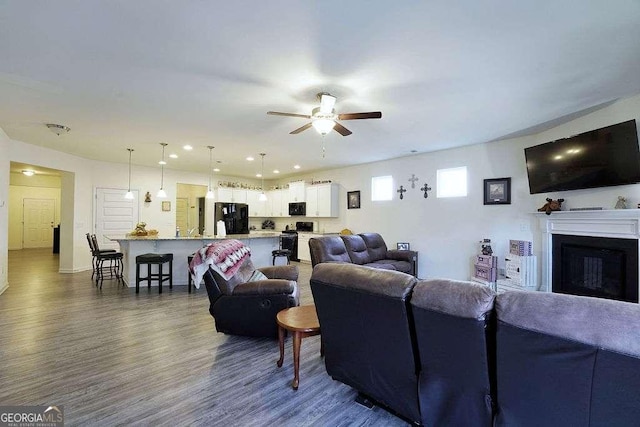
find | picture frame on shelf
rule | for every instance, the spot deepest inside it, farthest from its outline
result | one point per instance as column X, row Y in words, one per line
column 497, row 191
column 353, row 200
column 166, row 206
column 403, row 246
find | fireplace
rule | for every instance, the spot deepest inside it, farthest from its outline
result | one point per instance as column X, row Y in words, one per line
column 601, row 267
column 602, row 246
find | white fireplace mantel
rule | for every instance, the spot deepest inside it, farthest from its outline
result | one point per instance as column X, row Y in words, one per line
column 617, row 223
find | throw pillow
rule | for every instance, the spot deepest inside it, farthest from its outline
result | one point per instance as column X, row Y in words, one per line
column 257, row 275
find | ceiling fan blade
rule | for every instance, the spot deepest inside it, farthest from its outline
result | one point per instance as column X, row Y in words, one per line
column 276, row 113
column 342, row 130
column 355, row 116
column 300, row 129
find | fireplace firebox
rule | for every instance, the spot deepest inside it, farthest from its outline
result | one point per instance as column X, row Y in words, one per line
column 595, row 266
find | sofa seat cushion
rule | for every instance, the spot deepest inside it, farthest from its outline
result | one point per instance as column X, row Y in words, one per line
column 404, row 266
column 382, row 265
column 357, row 249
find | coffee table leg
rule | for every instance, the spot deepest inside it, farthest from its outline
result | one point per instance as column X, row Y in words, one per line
column 297, row 340
column 281, row 342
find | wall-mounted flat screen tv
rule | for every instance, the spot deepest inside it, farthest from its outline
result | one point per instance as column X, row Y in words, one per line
column 598, row 158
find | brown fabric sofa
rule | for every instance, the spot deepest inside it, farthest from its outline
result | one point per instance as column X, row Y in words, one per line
column 368, row 249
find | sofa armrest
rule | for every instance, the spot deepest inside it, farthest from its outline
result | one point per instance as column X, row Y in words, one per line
column 286, row 272
column 266, row 287
column 409, row 256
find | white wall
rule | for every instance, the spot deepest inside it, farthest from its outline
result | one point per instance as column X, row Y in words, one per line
column 445, row 231
column 4, row 208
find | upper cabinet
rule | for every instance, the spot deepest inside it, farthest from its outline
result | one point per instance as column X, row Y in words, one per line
column 278, row 204
column 297, row 191
column 231, row 195
column 257, row 207
column 322, row 200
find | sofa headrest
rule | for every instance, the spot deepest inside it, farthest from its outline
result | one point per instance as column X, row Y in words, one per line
column 328, row 249
column 357, row 249
column 454, row 297
column 613, row 325
column 350, row 276
column 376, row 246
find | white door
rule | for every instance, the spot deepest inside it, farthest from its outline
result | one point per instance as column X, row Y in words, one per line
column 37, row 218
column 115, row 215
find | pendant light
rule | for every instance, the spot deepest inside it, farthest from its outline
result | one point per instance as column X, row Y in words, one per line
column 262, row 197
column 129, row 195
column 162, row 194
column 210, row 191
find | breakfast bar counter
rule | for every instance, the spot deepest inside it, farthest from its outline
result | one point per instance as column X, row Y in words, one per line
column 181, row 247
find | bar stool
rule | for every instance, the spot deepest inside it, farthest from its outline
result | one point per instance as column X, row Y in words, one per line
column 285, row 248
column 189, row 279
column 159, row 260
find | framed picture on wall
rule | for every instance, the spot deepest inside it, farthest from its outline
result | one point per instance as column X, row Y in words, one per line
column 353, row 200
column 166, row 206
column 497, row 191
column 403, row 246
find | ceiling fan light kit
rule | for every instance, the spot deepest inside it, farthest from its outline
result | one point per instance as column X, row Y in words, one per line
column 324, row 117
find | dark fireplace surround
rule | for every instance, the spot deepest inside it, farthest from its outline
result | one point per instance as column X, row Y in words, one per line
column 601, row 267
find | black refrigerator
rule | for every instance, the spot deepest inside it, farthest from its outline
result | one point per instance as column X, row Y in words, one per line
column 235, row 217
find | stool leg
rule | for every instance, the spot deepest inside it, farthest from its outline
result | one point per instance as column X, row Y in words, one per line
column 137, row 278
column 160, row 278
column 148, row 276
column 171, row 274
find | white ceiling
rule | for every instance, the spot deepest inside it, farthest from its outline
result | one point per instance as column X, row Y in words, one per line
column 444, row 74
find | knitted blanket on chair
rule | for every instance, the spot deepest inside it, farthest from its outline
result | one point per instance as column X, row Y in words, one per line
column 225, row 257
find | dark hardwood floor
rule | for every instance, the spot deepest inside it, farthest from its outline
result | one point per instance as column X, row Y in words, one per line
column 112, row 357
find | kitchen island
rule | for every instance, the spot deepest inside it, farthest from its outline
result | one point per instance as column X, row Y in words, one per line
column 181, row 247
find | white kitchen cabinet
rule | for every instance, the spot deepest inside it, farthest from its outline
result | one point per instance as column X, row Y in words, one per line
column 297, row 192
column 279, row 203
column 322, row 200
column 258, row 208
column 303, row 246
column 231, row 195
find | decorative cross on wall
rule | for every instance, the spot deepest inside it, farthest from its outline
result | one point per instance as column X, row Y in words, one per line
column 413, row 180
column 401, row 191
column 425, row 188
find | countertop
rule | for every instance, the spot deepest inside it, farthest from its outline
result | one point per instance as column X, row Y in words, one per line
column 262, row 235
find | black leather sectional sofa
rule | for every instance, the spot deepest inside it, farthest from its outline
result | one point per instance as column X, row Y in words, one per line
column 452, row 353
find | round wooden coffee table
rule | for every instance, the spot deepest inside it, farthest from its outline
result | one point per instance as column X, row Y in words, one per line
column 302, row 322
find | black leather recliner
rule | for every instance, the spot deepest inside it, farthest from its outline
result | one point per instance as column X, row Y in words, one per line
column 243, row 307
column 366, row 333
column 454, row 333
column 565, row 360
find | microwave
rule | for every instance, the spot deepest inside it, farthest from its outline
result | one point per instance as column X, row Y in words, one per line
column 297, row 209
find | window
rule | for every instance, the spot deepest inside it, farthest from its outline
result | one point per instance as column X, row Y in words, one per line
column 381, row 188
column 452, row 182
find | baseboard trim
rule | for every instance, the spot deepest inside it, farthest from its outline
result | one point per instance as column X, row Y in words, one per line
column 73, row 270
column 4, row 287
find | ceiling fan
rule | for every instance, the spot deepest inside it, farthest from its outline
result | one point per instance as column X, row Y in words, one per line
column 324, row 117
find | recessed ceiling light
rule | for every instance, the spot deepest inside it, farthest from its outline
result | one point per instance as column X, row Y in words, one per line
column 276, row 171
column 28, row 172
column 173, row 156
column 187, row 147
column 162, row 162
column 216, row 169
column 258, row 175
column 249, row 158
column 296, row 167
